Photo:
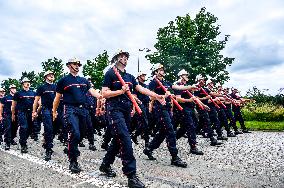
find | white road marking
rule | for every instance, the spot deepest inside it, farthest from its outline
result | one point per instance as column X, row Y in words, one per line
column 84, row 177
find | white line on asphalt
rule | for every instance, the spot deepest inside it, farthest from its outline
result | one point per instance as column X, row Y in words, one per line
column 85, row 178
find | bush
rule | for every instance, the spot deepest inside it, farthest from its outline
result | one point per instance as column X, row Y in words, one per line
column 263, row 112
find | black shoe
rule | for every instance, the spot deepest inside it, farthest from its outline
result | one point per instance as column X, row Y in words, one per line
column 104, row 146
column 195, row 151
column 230, row 134
column 222, row 138
column 81, row 144
column 24, row 149
column 238, row 132
column 7, row 146
column 107, row 170
column 149, row 154
column 134, row 139
column 74, row 167
column 14, row 143
column 246, row 131
column 214, row 142
column 35, row 138
column 65, row 150
column 92, row 147
column 176, row 161
column 134, row 182
column 48, row 154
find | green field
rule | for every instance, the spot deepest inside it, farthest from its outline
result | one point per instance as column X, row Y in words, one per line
column 268, row 126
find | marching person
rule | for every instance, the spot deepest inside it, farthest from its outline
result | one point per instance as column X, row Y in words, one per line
column 187, row 123
column 237, row 110
column 204, row 119
column 2, row 94
column 10, row 128
column 74, row 89
column 46, row 93
column 23, row 101
column 163, row 115
column 119, row 106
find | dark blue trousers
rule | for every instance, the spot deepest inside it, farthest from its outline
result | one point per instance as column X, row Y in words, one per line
column 119, row 124
column 75, row 119
column 187, row 125
column 48, row 127
column 165, row 131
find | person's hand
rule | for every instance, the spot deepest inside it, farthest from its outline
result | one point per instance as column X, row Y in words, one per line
column 125, row 88
column 34, row 115
column 13, row 117
column 54, row 115
column 1, row 117
column 206, row 107
column 161, row 99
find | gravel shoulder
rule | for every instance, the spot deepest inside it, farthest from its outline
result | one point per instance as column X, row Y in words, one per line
column 249, row 160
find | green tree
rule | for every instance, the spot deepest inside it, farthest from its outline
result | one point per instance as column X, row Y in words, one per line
column 94, row 68
column 6, row 83
column 55, row 65
column 193, row 45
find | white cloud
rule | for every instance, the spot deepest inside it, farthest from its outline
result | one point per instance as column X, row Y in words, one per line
column 33, row 31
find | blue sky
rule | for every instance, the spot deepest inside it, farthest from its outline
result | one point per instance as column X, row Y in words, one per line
column 33, row 31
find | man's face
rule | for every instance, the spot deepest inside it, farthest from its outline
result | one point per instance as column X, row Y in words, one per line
column 26, row 84
column 13, row 90
column 50, row 77
column 2, row 93
column 201, row 82
column 142, row 78
column 74, row 66
column 122, row 58
column 185, row 77
column 161, row 72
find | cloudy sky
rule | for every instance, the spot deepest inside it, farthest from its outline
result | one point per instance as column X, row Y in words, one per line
column 33, row 31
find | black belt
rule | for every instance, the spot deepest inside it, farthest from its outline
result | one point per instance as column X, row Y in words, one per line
column 76, row 105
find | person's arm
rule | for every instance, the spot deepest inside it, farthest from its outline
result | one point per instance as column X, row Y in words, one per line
column 35, row 105
column 183, row 87
column 55, row 105
column 1, row 111
column 107, row 93
column 150, row 93
column 95, row 93
column 13, row 109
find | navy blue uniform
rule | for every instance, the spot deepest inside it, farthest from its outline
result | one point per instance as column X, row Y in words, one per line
column 186, row 117
column 47, row 94
column 118, row 114
column 91, row 106
column 25, row 101
column 163, row 115
column 74, row 90
column 204, row 120
column 10, row 128
column 237, row 112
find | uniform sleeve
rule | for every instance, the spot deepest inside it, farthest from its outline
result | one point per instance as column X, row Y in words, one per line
column 60, row 86
column 152, row 85
column 108, row 79
column 16, row 97
column 134, row 82
column 39, row 91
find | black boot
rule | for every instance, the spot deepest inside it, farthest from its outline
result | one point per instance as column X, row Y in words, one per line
column 176, row 161
column 214, row 142
column 134, row 139
column 65, row 150
column 221, row 137
column 74, row 166
column 104, row 146
column 107, row 170
column 246, row 131
column 238, row 132
column 7, row 146
column 134, row 182
column 24, row 149
column 92, row 147
column 195, row 151
column 230, row 134
column 13, row 143
column 149, row 154
column 35, row 137
column 48, row 154
column 81, row 144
